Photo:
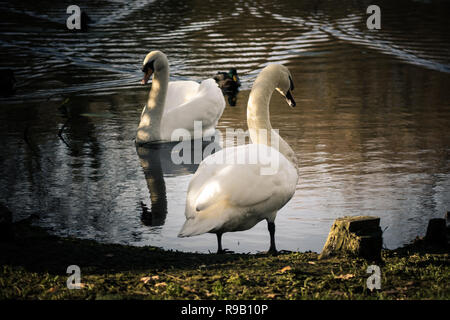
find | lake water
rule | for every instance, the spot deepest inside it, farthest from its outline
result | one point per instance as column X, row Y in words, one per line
column 371, row 127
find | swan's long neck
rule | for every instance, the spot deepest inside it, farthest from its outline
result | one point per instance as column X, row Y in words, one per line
column 258, row 118
column 150, row 126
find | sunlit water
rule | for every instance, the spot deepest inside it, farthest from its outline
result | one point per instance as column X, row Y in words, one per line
column 370, row 129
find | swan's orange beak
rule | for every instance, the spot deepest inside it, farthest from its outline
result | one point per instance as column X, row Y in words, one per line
column 147, row 76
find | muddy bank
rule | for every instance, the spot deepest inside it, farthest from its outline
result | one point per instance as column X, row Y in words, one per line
column 34, row 264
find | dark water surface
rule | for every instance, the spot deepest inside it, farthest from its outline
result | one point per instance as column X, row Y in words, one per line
column 371, row 127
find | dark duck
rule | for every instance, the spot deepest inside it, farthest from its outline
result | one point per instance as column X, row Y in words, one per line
column 229, row 83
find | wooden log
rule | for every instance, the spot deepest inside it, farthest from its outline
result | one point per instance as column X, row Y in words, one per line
column 358, row 236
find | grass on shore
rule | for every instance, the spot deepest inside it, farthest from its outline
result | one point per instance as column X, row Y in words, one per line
column 33, row 266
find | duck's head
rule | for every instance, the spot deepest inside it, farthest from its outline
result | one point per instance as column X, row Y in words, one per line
column 154, row 62
column 233, row 74
column 285, row 85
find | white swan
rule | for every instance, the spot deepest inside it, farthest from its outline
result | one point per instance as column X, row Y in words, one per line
column 176, row 105
column 224, row 195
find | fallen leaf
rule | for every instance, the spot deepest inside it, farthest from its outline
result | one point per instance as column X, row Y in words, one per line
column 311, row 262
column 287, row 268
column 145, row 279
column 51, row 290
column 271, row 295
column 161, row 284
column 344, row 276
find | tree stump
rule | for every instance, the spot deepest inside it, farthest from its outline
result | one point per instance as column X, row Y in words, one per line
column 447, row 226
column 436, row 232
column 6, row 232
column 359, row 236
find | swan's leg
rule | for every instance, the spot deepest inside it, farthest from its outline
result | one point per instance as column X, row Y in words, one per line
column 271, row 227
column 219, row 243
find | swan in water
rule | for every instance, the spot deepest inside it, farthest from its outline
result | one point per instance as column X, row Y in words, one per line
column 225, row 195
column 176, row 104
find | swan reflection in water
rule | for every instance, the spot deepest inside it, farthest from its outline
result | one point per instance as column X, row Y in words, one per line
column 157, row 160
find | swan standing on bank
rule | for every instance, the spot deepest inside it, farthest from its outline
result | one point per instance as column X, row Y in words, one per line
column 224, row 195
column 177, row 104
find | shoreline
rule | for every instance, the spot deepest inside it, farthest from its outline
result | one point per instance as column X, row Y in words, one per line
column 34, row 266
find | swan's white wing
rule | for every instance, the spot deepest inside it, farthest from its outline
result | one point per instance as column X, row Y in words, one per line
column 179, row 92
column 206, row 104
column 221, row 192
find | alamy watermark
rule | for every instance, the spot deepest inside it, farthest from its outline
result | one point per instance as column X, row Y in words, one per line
column 374, row 20
column 374, row 281
column 74, row 280
column 74, row 20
